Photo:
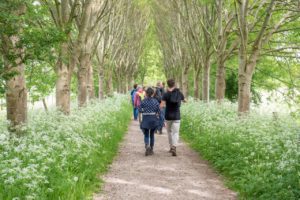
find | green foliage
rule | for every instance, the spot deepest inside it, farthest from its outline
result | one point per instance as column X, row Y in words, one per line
column 231, row 86
column 60, row 157
column 259, row 154
column 150, row 68
column 38, row 36
column 40, row 79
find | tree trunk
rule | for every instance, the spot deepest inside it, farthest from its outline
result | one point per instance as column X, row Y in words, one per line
column 220, row 81
column 90, row 86
column 100, row 83
column 196, row 84
column 130, row 84
column 206, row 81
column 45, row 104
column 125, row 85
column 110, row 86
column 16, row 92
column 63, row 87
column 185, row 83
column 82, row 79
column 244, row 93
column 119, row 84
column 179, row 79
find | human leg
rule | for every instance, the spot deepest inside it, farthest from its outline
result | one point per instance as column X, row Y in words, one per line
column 169, row 131
column 152, row 138
column 175, row 132
column 152, row 135
column 146, row 137
column 140, row 117
column 161, row 120
column 175, row 136
column 135, row 113
column 147, row 141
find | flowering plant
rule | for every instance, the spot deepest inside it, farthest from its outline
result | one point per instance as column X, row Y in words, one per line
column 259, row 153
column 59, row 156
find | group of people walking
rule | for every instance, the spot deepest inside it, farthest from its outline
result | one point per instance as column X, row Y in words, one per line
column 154, row 108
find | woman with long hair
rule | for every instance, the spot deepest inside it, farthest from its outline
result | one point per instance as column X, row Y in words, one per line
column 150, row 110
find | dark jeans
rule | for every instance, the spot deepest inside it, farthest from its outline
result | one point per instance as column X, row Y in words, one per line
column 149, row 135
column 161, row 119
column 135, row 113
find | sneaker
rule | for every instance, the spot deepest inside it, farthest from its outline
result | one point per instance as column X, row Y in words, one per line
column 173, row 151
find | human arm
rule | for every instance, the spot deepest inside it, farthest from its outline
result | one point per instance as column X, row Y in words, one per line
column 141, row 107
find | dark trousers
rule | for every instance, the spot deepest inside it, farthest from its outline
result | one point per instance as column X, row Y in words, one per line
column 149, row 137
column 161, row 119
column 135, row 113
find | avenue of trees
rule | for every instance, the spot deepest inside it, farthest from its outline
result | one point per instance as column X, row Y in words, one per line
column 70, row 45
column 213, row 48
column 239, row 37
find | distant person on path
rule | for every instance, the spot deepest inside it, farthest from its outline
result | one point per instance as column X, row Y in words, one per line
column 150, row 110
column 171, row 100
column 162, row 88
column 135, row 109
column 139, row 96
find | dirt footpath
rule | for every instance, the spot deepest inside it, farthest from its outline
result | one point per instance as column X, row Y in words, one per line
column 133, row 176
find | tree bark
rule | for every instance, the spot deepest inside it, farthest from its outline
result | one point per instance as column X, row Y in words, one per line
column 110, row 86
column 119, row 84
column 100, row 84
column 247, row 64
column 206, row 81
column 185, row 82
column 220, row 80
column 126, row 86
column 63, row 81
column 82, row 76
column 16, row 92
column 45, row 104
column 90, row 86
column 16, row 98
column 244, row 93
column 130, row 83
column 196, row 84
column 220, row 86
column 179, row 78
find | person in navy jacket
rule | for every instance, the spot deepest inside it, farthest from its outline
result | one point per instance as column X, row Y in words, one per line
column 150, row 110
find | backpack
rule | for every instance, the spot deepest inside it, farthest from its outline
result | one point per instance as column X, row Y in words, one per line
column 175, row 96
column 132, row 93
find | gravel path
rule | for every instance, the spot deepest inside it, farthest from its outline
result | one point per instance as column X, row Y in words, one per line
column 133, row 176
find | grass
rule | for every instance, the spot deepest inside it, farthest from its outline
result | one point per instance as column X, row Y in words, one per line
column 61, row 157
column 259, row 154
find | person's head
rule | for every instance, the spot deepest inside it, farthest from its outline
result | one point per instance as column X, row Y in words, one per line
column 149, row 92
column 158, row 84
column 171, row 83
column 135, row 86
